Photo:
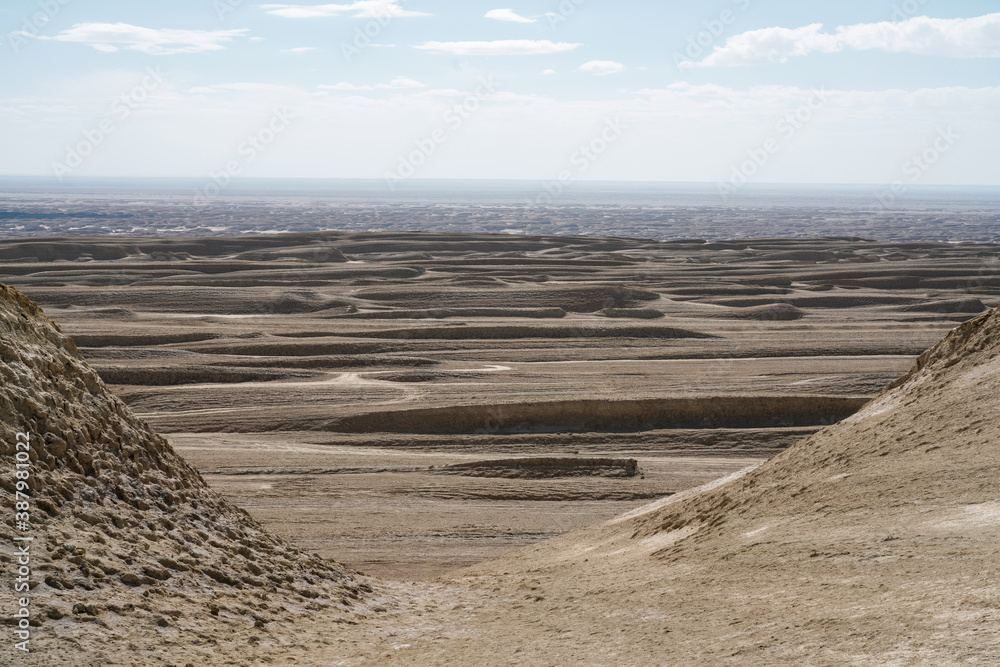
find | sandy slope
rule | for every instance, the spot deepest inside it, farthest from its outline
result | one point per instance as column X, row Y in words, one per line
column 873, row 542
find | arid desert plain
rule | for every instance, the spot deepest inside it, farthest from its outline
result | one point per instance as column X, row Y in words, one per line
column 408, row 404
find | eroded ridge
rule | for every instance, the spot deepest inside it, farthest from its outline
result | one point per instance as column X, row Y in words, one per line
column 128, row 544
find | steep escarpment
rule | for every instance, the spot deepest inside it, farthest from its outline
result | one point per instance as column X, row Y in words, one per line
column 128, row 541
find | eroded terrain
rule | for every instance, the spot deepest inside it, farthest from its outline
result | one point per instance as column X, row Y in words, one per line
column 326, row 381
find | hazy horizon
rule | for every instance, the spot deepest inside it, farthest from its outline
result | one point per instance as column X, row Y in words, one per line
column 894, row 93
column 371, row 186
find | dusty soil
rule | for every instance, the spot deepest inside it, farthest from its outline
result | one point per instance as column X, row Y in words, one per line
column 322, row 382
column 545, row 467
column 872, row 542
column 350, row 363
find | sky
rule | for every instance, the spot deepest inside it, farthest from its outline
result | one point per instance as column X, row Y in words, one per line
column 890, row 93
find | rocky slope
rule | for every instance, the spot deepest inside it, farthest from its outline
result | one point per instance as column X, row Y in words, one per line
column 130, row 547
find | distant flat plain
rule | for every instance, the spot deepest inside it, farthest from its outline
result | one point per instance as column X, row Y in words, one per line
column 658, row 211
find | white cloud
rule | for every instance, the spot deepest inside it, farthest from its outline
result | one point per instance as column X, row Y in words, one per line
column 362, row 9
column 977, row 37
column 110, row 37
column 300, row 49
column 548, row 72
column 502, row 47
column 507, row 15
column 398, row 83
column 601, row 67
column 241, row 87
column 403, row 82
